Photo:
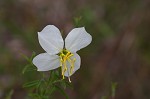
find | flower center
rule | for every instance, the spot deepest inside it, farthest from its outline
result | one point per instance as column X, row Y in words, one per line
column 65, row 60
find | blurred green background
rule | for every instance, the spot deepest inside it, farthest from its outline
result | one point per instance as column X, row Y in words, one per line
column 119, row 52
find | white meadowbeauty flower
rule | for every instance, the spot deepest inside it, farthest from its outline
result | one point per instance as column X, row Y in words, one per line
column 59, row 52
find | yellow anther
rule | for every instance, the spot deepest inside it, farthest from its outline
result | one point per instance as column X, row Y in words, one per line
column 70, row 55
column 67, row 54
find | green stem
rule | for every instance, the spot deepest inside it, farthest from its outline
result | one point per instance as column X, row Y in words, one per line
column 48, row 84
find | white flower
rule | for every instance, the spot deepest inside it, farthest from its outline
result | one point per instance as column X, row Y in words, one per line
column 60, row 53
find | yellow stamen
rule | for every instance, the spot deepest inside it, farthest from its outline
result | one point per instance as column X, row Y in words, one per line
column 61, row 60
column 64, row 57
column 69, row 79
column 72, row 65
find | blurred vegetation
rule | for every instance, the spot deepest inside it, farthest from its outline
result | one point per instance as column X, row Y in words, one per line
column 119, row 52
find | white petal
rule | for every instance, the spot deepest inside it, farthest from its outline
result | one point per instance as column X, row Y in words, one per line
column 78, row 38
column 76, row 65
column 51, row 40
column 45, row 62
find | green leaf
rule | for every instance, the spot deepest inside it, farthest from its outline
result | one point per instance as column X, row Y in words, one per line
column 37, row 96
column 29, row 67
column 25, row 68
column 9, row 94
column 113, row 89
column 61, row 91
column 104, row 97
column 32, row 56
column 29, row 59
column 34, row 95
column 52, row 89
column 63, row 84
column 77, row 21
column 24, row 56
column 54, row 76
column 68, row 84
column 32, row 83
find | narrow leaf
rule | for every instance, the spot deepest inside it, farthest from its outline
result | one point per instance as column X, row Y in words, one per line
column 24, row 56
column 61, row 91
column 25, row 68
column 32, row 83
